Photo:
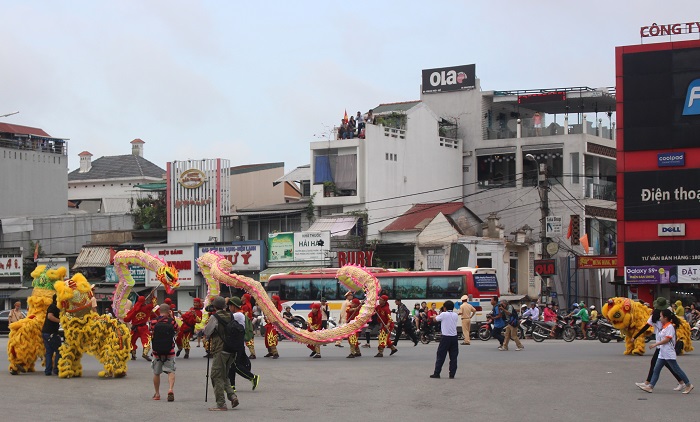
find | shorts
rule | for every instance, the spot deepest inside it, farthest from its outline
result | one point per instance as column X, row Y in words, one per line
column 159, row 366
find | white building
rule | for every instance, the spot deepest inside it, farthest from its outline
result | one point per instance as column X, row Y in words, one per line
column 107, row 185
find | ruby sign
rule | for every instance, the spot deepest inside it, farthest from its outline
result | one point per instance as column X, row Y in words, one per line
column 361, row 258
column 545, row 267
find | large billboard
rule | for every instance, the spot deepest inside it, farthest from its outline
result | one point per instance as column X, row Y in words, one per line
column 244, row 256
column 662, row 195
column 300, row 246
column 179, row 256
column 447, row 79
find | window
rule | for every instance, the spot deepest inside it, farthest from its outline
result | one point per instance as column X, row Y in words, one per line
column 451, row 287
column 436, row 259
column 575, row 165
column 553, row 158
column 411, row 287
column 296, row 289
column 483, row 260
column 514, row 273
column 325, row 287
column 387, row 284
column 496, row 171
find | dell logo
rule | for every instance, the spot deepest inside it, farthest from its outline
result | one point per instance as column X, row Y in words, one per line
column 673, row 229
column 670, row 230
column 692, row 99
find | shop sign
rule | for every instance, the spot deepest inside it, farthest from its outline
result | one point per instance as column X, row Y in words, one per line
column 676, row 229
column 651, row 274
column 361, row 258
column 192, row 178
column 545, row 267
column 689, row 274
column 137, row 273
column 597, row 262
column 668, row 29
column 671, row 159
column 179, row 256
column 661, row 195
column 243, row 257
column 11, row 266
column 486, row 282
column 553, row 226
column 311, row 246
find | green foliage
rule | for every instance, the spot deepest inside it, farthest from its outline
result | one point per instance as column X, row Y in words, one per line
column 150, row 211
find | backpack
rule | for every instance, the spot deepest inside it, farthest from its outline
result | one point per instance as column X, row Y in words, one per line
column 233, row 333
column 249, row 333
column 163, row 339
column 513, row 319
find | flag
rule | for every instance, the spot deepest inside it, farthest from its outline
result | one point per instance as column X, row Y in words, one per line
column 584, row 242
column 571, row 228
column 112, row 252
column 345, row 118
column 36, row 250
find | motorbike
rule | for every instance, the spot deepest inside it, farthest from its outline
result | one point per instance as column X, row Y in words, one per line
column 484, row 332
column 607, row 332
column 542, row 330
column 695, row 332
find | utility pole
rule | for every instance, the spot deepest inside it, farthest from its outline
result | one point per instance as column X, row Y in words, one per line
column 543, row 189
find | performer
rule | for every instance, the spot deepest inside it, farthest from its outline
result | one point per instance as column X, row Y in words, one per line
column 271, row 338
column 352, row 311
column 314, row 323
column 189, row 320
column 386, row 327
column 247, row 309
column 138, row 316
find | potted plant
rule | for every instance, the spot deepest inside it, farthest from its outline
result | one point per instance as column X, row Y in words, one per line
column 329, row 189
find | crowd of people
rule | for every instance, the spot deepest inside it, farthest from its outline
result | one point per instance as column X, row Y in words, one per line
column 355, row 126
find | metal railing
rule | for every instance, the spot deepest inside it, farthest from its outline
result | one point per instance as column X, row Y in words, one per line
column 49, row 146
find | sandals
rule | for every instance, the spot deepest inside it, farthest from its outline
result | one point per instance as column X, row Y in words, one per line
column 156, row 397
column 171, row 396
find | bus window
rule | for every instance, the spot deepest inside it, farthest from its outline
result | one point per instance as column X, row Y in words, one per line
column 450, row 287
column 296, row 289
column 411, row 287
column 324, row 287
column 387, row 284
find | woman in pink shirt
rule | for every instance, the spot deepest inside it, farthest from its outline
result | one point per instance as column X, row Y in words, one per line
column 549, row 314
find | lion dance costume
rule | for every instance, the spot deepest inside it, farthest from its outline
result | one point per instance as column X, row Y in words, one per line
column 25, row 343
column 247, row 309
column 271, row 338
column 387, row 326
column 629, row 317
column 186, row 330
column 139, row 315
column 315, row 323
column 102, row 336
column 351, row 313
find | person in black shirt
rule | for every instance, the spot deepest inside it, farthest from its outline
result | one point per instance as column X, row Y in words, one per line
column 52, row 339
column 404, row 323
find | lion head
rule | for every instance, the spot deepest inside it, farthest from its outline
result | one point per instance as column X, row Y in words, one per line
column 624, row 313
column 74, row 294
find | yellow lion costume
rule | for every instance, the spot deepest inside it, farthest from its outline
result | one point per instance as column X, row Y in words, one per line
column 85, row 331
column 25, row 343
column 630, row 317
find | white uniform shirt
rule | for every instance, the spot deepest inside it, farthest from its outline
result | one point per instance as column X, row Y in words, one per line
column 534, row 313
column 448, row 323
column 668, row 351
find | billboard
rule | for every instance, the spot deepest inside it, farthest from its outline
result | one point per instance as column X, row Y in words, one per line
column 244, row 256
column 11, row 266
column 137, row 273
column 662, row 195
column 675, row 252
column 650, row 274
column 300, row 246
column 448, row 79
column 179, row 256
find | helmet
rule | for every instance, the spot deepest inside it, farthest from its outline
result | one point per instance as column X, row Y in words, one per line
column 592, row 306
column 575, row 305
column 524, row 306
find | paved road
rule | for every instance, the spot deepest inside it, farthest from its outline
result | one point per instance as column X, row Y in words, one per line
column 550, row 381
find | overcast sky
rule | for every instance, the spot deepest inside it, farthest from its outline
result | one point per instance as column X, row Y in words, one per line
column 257, row 81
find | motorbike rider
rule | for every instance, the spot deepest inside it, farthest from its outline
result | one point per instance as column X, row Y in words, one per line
column 583, row 315
column 593, row 313
column 532, row 314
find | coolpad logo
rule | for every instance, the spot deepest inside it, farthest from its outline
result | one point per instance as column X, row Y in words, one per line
column 692, row 99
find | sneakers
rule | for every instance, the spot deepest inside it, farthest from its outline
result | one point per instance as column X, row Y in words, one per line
column 350, row 356
column 688, row 388
column 312, row 354
column 393, row 351
column 379, row 355
column 179, row 351
column 255, row 381
column 339, row 345
column 317, row 356
column 502, row 349
column 234, row 401
column 642, row 384
column 647, row 388
column 435, row 376
column 520, row 348
column 679, row 387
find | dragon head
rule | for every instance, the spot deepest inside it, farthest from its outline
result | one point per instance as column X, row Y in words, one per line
column 168, row 276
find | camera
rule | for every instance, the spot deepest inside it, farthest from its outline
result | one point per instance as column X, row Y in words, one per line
column 210, row 308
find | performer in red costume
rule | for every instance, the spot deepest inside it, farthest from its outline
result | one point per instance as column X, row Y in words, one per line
column 271, row 337
column 247, row 309
column 314, row 323
column 139, row 315
column 386, row 327
column 189, row 319
column 351, row 313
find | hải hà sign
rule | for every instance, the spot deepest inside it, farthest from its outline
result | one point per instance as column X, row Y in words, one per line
column 597, row 261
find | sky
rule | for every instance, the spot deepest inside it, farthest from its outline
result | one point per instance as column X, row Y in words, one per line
column 255, row 82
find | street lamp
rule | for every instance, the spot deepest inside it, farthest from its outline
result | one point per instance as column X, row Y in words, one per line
column 544, row 208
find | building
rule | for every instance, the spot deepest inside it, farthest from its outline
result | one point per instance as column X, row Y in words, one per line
column 658, row 168
column 253, row 185
column 108, row 184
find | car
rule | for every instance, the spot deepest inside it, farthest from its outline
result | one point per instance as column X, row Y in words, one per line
column 4, row 316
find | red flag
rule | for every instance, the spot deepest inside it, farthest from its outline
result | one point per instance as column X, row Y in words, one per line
column 112, row 252
column 345, row 118
column 571, row 227
column 584, row 242
column 36, row 250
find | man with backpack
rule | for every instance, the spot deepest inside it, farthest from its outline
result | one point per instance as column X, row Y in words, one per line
column 224, row 333
column 163, row 349
column 511, row 317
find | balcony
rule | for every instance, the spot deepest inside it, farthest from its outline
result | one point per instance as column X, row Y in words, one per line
column 48, row 145
column 602, row 190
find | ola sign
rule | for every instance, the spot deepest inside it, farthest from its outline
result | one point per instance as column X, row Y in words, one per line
column 545, row 267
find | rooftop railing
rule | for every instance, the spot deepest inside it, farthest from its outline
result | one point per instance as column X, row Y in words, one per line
column 48, row 145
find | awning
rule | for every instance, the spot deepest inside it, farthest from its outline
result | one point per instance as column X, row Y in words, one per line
column 21, row 294
column 265, row 274
column 97, row 257
column 338, row 226
column 297, row 175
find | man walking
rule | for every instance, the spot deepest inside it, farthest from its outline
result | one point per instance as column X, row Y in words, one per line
column 404, row 323
column 241, row 363
column 448, row 341
column 342, row 319
column 215, row 331
column 466, row 312
column 498, row 321
column 52, row 340
column 386, row 327
column 164, row 351
column 15, row 314
column 511, row 327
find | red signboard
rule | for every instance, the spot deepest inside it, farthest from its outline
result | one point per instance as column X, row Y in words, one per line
column 361, row 258
column 669, row 29
column 597, row 261
column 545, row 267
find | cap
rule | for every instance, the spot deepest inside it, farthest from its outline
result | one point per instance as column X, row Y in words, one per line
column 592, row 307
column 384, row 297
column 315, row 306
column 323, row 299
column 465, row 298
column 235, row 301
column 356, row 301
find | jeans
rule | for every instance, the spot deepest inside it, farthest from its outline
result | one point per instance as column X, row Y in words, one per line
column 497, row 334
column 653, row 364
column 672, row 366
column 447, row 344
column 50, row 352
